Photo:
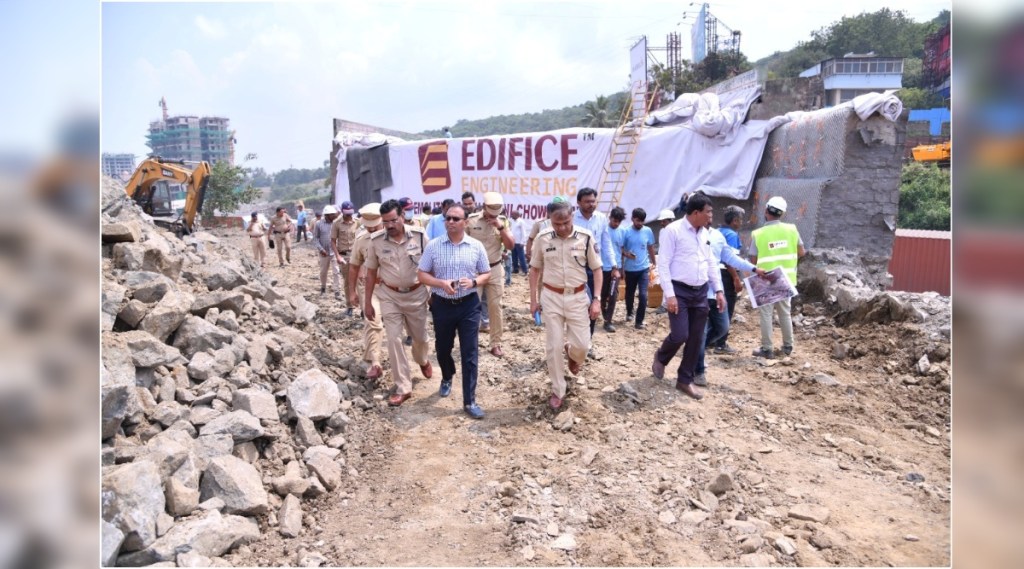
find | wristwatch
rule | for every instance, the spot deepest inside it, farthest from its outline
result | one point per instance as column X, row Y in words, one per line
column 474, row 283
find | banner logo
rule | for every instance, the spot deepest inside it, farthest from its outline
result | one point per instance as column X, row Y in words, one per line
column 434, row 171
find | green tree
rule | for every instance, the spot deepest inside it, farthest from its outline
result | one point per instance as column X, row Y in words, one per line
column 915, row 98
column 599, row 115
column 886, row 32
column 228, row 188
column 924, row 197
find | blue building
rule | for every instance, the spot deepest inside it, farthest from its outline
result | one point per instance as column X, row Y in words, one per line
column 852, row 75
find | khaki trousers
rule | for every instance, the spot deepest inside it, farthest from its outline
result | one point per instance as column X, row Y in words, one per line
column 344, row 278
column 259, row 250
column 329, row 263
column 494, row 289
column 782, row 308
column 283, row 244
column 373, row 334
column 565, row 320
column 401, row 312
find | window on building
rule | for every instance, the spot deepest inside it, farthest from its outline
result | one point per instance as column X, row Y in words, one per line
column 847, row 95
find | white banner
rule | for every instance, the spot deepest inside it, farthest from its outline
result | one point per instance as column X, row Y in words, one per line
column 529, row 170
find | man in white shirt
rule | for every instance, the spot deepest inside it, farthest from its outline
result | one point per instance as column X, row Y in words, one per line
column 519, row 249
column 688, row 269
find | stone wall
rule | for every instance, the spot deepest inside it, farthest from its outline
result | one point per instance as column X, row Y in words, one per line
column 780, row 96
column 840, row 176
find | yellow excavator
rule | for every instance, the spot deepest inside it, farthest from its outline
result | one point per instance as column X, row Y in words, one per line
column 152, row 186
column 937, row 153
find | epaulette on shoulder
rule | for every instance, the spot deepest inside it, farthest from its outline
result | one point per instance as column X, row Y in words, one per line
column 546, row 231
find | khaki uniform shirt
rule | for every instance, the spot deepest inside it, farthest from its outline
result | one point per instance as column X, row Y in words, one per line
column 257, row 229
column 343, row 234
column 281, row 225
column 478, row 228
column 360, row 248
column 563, row 261
column 397, row 263
column 538, row 226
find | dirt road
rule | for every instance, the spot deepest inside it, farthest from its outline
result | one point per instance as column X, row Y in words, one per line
column 861, row 444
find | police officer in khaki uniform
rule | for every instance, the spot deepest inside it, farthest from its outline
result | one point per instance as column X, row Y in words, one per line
column 492, row 229
column 343, row 236
column 559, row 282
column 281, row 227
column 373, row 331
column 540, row 225
column 391, row 269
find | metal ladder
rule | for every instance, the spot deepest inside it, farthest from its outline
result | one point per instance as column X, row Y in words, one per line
column 623, row 150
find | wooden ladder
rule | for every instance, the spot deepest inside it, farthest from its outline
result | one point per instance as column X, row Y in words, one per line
column 623, row 150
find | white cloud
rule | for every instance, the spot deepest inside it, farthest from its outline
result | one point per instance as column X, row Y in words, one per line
column 284, row 43
column 234, row 62
column 210, row 28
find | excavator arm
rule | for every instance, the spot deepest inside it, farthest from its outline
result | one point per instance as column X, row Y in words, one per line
column 198, row 181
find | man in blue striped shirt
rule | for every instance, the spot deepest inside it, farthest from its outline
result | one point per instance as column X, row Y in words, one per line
column 596, row 223
column 455, row 267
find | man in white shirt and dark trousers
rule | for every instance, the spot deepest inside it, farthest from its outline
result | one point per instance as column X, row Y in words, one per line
column 519, row 250
column 688, row 268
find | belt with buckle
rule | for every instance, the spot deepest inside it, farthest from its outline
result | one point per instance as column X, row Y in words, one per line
column 453, row 301
column 557, row 290
column 496, row 263
column 344, row 252
column 686, row 286
column 402, row 289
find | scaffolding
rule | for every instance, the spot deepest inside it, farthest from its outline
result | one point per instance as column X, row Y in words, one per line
column 191, row 138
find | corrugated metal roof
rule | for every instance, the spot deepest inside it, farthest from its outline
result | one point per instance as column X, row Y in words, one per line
column 921, row 261
column 924, row 233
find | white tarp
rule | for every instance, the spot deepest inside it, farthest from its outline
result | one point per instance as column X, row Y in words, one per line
column 886, row 104
column 530, row 169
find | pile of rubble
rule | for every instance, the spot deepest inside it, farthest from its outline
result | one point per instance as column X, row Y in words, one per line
column 215, row 428
column 852, row 287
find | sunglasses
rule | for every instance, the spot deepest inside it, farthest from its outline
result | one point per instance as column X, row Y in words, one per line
column 453, row 219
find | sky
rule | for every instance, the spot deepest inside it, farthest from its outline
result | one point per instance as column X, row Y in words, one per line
column 282, row 71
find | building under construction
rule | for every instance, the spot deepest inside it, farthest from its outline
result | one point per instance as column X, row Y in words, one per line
column 191, row 138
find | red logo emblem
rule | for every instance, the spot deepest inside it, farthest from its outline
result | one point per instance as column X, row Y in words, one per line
column 434, row 171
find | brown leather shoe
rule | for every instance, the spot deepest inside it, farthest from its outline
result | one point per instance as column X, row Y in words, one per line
column 690, row 390
column 496, row 352
column 398, row 398
column 374, row 372
column 427, row 370
column 574, row 366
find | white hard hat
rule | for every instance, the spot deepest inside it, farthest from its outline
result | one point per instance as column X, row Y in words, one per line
column 778, row 203
column 666, row 214
column 329, row 209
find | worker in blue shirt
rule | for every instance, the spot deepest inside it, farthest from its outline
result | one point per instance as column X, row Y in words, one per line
column 300, row 223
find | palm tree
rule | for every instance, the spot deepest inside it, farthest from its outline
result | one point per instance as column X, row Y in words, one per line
column 598, row 115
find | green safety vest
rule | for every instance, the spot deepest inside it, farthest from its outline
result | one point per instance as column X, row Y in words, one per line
column 777, row 246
